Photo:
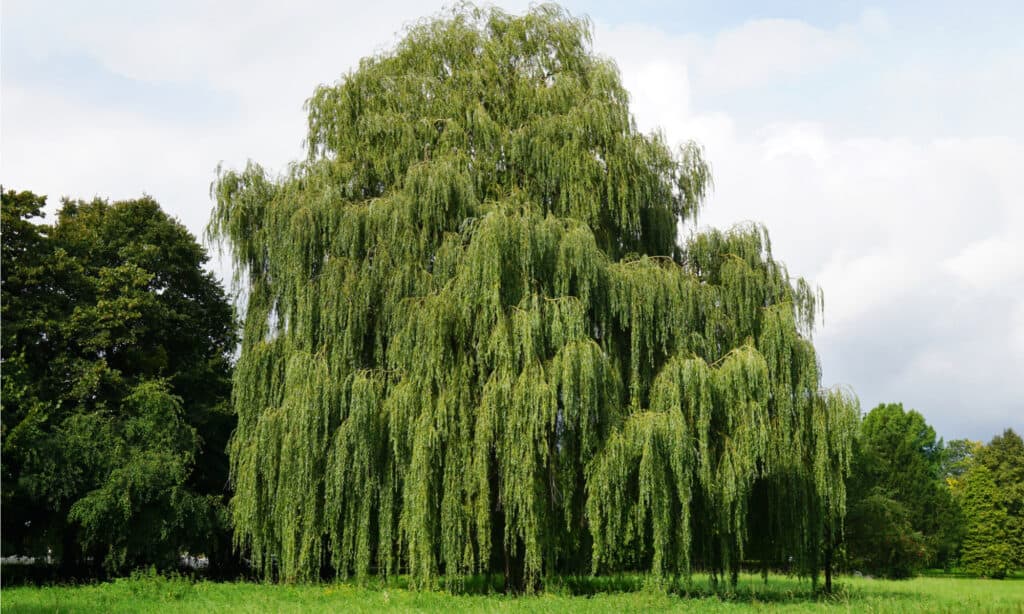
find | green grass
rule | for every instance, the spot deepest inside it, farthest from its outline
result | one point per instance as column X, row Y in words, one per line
column 159, row 594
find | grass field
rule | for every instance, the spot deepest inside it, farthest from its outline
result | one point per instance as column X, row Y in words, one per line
column 158, row 594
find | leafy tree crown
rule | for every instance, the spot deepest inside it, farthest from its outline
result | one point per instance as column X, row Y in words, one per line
column 472, row 334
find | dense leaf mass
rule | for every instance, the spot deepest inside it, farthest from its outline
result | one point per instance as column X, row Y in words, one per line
column 472, row 341
column 901, row 514
column 116, row 347
column 991, row 492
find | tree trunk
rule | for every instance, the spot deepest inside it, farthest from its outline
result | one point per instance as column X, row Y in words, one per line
column 508, row 567
column 70, row 563
column 828, row 569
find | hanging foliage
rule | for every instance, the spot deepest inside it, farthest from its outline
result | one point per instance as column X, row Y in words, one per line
column 473, row 343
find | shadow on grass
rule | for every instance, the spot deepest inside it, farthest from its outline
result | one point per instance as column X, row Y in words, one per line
column 942, row 573
column 751, row 589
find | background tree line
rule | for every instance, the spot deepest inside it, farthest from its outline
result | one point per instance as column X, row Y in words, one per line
column 915, row 502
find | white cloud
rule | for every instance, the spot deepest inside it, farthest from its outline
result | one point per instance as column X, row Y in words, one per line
column 874, row 21
column 767, row 50
column 59, row 149
column 753, row 54
column 795, row 140
column 989, row 263
column 1017, row 331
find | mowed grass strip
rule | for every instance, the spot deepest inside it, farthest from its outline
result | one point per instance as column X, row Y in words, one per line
column 781, row 593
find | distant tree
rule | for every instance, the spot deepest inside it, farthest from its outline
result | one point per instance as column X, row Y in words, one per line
column 116, row 375
column 881, row 539
column 989, row 546
column 1003, row 457
column 901, row 515
column 956, row 458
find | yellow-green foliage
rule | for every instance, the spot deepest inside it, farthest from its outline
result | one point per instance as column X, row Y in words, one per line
column 472, row 337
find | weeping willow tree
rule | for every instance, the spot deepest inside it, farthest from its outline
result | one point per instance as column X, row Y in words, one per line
column 474, row 344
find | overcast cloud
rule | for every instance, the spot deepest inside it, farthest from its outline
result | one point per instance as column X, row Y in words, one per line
column 883, row 149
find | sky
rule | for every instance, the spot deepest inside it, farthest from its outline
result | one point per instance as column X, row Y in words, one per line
column 881, row 144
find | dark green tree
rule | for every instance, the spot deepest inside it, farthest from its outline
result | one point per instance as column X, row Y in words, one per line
column 473, row 342
column 902, row 516
column 116, row 374
column 880, row 538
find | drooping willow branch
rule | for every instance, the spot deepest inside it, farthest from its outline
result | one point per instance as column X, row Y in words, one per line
column 473, row 342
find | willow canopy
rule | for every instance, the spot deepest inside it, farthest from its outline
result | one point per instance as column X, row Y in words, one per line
column 474, row 344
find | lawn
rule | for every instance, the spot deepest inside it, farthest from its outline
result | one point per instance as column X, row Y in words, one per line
column 158, row 594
